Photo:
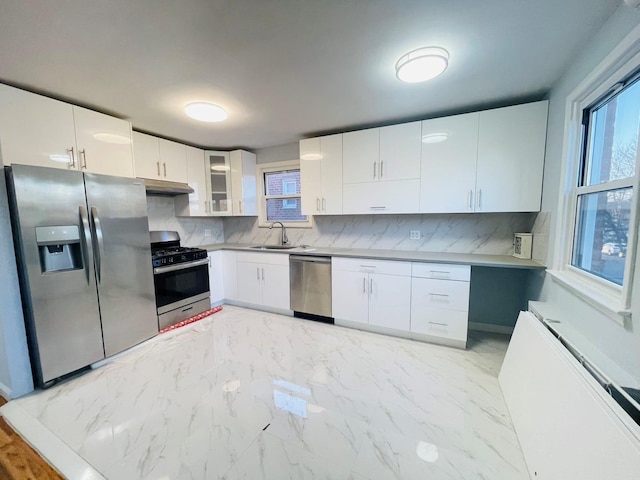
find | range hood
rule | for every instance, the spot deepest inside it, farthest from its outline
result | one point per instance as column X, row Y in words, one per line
column 166, row 188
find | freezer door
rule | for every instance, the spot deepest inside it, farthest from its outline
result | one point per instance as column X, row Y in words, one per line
column 50, row 222
column 120, row 228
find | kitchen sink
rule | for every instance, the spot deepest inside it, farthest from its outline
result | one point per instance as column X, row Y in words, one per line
column 273, row 247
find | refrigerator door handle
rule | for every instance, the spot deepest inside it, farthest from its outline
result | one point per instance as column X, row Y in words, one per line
column 84, row 220
column 98, row 244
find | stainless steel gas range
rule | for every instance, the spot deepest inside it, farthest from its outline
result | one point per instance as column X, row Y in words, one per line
column 181, row 278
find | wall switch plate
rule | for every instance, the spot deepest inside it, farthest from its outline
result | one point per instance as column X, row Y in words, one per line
column 414, row 235
column 207, row 232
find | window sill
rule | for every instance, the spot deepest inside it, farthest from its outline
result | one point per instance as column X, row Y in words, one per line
column 609, row 303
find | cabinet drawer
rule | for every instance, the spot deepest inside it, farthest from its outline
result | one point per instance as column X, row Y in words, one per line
column 441, row 271
column 441, row 294
column 440, row 323
column 264, row 258
column 366, row 265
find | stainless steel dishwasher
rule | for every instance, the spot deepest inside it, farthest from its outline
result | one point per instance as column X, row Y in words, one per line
column 310, row 282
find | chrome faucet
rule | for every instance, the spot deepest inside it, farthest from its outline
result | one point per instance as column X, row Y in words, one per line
column 284, row 240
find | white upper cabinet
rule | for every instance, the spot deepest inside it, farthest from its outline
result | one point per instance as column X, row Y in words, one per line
column 491, row 161
column 381, row 170
column 37, row 130
column 321, row 178
column 402, row 196
column 195, row 204
column 159, row 159
column 361, row 156
column 511, row 146
column 173, row 157
column 104, row 143
column 146, row 154
column 449, row 154
column 400, row 152
column 243, row 183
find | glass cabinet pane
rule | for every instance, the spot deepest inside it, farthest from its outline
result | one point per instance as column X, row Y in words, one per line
column 218, row 173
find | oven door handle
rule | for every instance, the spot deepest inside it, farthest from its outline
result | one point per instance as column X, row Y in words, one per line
column 180, row 266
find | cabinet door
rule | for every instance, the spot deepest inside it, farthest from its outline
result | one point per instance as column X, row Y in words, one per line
column 173, row 156
column 310, row 186
column 230, row 267
column 146, row 156
column 350, row 296
column 216, row 277
column 331, row 176
column 275, row 286
column 249, row 283
column 195, row 204
column 390, row 301
column 104, row 143
column 449, row 155
column 36, row 130
column 243, row 183
column 511, row 145
column 360, row 156
column 402, row 196
column 400, row 151
column 218, row 182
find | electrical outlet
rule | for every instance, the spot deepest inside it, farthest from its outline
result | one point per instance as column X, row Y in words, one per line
column 414, row 235
column 207, row 232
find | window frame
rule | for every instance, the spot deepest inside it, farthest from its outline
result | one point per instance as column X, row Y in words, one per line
column 605, row 80
column 286, row 201
column 263, row 168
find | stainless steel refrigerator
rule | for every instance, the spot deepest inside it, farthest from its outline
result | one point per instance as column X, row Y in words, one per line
column 84, row 258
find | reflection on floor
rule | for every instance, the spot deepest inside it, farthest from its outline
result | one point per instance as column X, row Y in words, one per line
column 246, row 394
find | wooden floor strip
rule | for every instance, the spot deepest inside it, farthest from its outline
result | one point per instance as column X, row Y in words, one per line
column 18, row 461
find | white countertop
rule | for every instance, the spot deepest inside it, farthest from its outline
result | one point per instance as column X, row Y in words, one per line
column 480, row 260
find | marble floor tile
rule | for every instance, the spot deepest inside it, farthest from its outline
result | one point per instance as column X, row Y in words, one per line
column 247, row 394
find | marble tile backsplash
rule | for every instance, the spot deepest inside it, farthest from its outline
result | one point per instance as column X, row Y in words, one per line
column 486, row 233
column 540, row 230
column 162, row 216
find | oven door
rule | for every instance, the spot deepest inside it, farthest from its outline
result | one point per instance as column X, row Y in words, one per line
column 179, row 285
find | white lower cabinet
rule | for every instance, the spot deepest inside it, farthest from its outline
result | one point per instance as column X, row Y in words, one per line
column 373, row 292
column 440, row 300
column 216, row 277
column 263, row 279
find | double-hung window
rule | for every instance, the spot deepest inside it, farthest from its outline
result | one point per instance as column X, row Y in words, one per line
column 280, row 194
column 605, row 191
column 601, row 206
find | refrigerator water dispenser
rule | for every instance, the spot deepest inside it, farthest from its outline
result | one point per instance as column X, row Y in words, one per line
column 59, row 248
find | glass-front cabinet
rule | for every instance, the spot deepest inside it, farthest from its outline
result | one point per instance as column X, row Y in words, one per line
column 218, row 182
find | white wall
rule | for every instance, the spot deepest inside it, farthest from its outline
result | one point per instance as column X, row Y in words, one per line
column 619, row 344
column 15, row 366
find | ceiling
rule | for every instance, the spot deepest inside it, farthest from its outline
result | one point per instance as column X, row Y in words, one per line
column 287, row 69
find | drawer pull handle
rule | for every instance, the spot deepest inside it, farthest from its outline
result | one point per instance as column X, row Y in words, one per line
column 378, row 208
column 446, row 272
column 367, row 266
column 438, row 294
column 437, row 323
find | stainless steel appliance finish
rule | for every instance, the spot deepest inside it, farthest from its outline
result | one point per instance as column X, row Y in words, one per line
column 85, row 273
column 181, row 278
column 310, row 282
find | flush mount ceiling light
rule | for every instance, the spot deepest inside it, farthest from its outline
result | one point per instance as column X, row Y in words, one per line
column 422, row 64
column 435, row 137
column 205, row 112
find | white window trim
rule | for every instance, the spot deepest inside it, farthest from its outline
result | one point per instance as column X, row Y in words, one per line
column 263, row 168
column 607, row 297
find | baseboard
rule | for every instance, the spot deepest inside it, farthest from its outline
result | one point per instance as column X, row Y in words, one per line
column 5, row 392
column 262, row 308
column 491, row 328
